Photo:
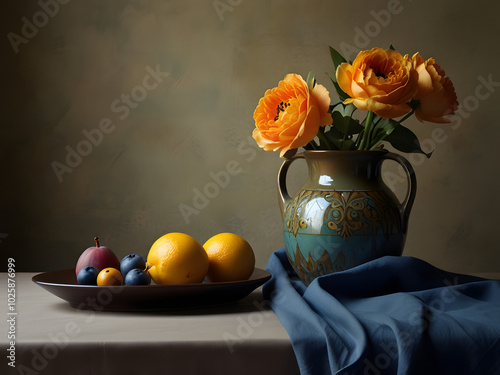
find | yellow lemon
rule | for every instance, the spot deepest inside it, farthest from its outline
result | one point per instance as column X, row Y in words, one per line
column 177, row 258
column 231, row 258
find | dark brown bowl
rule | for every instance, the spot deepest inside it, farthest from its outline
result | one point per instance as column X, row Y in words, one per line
column 146, row 298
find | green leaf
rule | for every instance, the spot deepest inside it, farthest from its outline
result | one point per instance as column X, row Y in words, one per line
column 337, row 58
column 346, row 124
column 392, row 47
column 333, row 133
column 387, row 126
column 343, row 144
column 384, row 128
column 340, row 140
column 404, row 140
column 345, row 110
column 308, row 147
column 310, row 80
column 324, row 142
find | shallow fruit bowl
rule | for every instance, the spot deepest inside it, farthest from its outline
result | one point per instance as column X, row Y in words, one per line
column 146, row 297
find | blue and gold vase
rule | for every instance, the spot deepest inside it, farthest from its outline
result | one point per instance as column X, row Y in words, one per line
column 345, row 214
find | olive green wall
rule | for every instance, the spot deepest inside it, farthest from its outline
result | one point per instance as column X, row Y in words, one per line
column 118, row 115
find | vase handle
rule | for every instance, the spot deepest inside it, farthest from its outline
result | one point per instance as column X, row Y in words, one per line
column 283, row 197
column 411, row 190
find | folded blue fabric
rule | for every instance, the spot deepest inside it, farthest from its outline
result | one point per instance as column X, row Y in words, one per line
column 393, row 315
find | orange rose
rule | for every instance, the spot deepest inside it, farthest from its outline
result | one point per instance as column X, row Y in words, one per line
column 289, row 116
column 381, row 81
column 435, row 92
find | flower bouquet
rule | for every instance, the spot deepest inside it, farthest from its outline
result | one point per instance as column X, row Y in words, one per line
column 390, row 87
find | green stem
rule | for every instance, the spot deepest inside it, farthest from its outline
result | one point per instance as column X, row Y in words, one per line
column 377, row 121
column 407, row 115
column 357, row 143
column 375, row 144
column 365, row 142
column 372, row 132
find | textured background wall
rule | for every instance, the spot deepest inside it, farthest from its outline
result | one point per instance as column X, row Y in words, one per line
column 166, row 90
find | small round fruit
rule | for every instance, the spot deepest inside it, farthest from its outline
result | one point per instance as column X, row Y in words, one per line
column 177, row 258
column 231, row 258
column 109, row 277
column 97, row 256
column 130, row 262
column 137, row 276
column 87, row 276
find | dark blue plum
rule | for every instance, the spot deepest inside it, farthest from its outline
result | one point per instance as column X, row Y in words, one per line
column 137, row 276
column 130, row 262
column 87, row 276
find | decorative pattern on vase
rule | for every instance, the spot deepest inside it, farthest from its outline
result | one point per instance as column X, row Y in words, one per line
column 327, row 231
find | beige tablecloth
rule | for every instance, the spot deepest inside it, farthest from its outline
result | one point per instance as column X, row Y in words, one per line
column 51, row 337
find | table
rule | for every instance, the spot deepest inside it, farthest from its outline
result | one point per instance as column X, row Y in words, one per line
column 51, row 337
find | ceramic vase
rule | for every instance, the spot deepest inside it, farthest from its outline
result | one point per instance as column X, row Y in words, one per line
column 345, row 214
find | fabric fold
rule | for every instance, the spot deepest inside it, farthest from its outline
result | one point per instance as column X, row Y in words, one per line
column 393, row 315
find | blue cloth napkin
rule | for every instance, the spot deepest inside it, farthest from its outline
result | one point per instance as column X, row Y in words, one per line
column 393, row 315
